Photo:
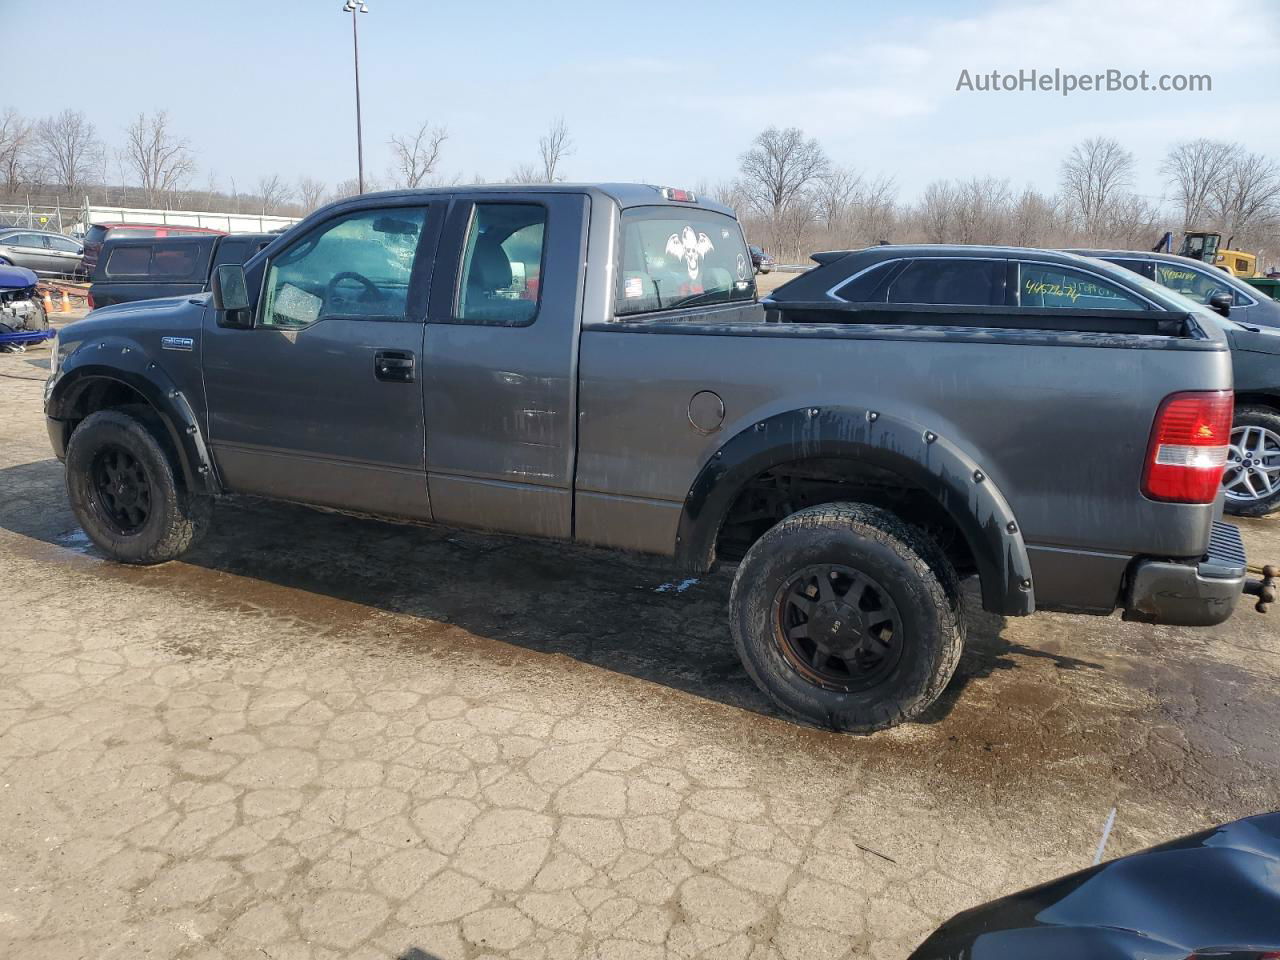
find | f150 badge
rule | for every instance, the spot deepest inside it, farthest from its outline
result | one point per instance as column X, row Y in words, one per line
column 177, row 343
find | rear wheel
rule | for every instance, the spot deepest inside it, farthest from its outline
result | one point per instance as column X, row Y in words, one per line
column 1252, row 478
column 123, row 490
column 848, row 617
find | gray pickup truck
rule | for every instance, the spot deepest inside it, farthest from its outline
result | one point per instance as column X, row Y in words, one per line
column 591, row 364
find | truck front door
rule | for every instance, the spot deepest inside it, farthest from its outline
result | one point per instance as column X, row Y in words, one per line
column 321, row 400
column 501, row 362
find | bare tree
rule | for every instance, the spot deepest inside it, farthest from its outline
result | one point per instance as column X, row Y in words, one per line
column 938, row 211
column 418, row 155
column 349, row 188
column 310, row 193
column 69, row 147
column 1195, row 170
column 779, row 167
column 1094, row 175
column 1130, row 222
column 873, row 212
column 982, row 210
column 553, row 147
column 273, row 192
column 833, row 194
column 525, row 173
column 161, row 161
column 727, row 192
column 15, row 149
column 1247, row 196
column 790, row 227
column 1032, row 219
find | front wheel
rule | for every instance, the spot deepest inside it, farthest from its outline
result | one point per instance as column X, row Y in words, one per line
column 123, row 490
column 848, row 617
column 1252, row 478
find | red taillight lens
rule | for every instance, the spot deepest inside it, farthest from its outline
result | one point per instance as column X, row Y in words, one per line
column 1188, row 448
column 89, row 301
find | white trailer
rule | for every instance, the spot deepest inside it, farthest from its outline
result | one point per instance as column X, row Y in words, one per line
column 227, row 222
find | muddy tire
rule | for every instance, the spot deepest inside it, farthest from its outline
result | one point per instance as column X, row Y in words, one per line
column 124, row 490
column 1255, row 436
column 847, row 617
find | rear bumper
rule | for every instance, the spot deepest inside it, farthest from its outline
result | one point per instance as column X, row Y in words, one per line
column 1193, row 594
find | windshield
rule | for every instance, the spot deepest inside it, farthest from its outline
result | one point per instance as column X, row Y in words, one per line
column 675, row 257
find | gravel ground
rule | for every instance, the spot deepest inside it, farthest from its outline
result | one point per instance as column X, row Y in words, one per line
column 325, row 737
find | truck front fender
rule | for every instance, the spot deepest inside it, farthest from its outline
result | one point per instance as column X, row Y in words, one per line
column 923, row 457
column 116, row 360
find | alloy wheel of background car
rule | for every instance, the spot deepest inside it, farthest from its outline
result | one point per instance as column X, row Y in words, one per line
column 837, row 627
column 1253, row 464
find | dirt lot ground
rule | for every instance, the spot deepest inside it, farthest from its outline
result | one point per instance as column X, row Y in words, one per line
column 328, row 737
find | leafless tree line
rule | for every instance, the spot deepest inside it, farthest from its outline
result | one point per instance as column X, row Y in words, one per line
column 63, row 158
column 792, row 196
column 794, row 199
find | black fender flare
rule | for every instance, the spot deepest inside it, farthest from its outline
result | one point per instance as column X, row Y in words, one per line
column 925, row 457
column 124, row 362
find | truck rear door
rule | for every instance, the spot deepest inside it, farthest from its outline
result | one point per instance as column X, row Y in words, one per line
column 501, row 362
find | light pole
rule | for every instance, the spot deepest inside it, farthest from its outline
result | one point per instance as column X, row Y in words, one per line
column 353, row 7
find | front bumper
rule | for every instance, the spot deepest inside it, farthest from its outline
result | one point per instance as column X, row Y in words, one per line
column 1191, row 594
column 57, row 437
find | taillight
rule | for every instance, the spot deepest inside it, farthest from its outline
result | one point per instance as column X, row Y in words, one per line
column 89, row 301
column 1188, row 449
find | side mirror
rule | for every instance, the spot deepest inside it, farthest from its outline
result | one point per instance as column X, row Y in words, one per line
column 1221, row 302
column 231, row 296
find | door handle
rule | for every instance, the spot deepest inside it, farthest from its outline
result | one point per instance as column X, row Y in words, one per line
column 393, row 366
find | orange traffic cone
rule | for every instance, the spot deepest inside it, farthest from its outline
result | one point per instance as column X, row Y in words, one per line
column 48, row 303
column 66, row 302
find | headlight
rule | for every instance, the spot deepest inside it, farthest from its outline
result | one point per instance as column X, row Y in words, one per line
column 53, row 357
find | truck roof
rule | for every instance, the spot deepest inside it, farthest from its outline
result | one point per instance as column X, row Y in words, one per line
column 623, row 194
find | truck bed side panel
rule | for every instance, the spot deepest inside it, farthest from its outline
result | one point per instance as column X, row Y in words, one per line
column 1061, row 430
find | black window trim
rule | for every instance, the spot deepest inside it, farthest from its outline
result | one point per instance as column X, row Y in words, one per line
column 909, row 261
column 455, row 301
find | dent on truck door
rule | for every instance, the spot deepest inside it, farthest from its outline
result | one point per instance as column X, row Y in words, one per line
column 501, row 363
column 322, row 400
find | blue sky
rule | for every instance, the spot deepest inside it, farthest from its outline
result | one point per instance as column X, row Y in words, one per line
column 666, row 93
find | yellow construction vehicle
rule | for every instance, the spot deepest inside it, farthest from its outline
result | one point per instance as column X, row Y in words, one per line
column 1207, row 247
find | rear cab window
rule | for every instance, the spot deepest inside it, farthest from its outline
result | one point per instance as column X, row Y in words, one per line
column 672, row 257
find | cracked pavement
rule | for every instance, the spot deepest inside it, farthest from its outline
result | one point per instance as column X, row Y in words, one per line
column 320, row 736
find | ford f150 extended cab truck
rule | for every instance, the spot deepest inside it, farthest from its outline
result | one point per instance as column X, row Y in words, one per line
column 590, row 364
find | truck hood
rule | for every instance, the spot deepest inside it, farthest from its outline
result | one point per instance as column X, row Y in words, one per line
column 166, row 315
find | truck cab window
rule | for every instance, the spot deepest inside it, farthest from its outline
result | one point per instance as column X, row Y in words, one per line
column 1044, row 285
column 502, row 264
column 356, row 267
column 673, row 258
